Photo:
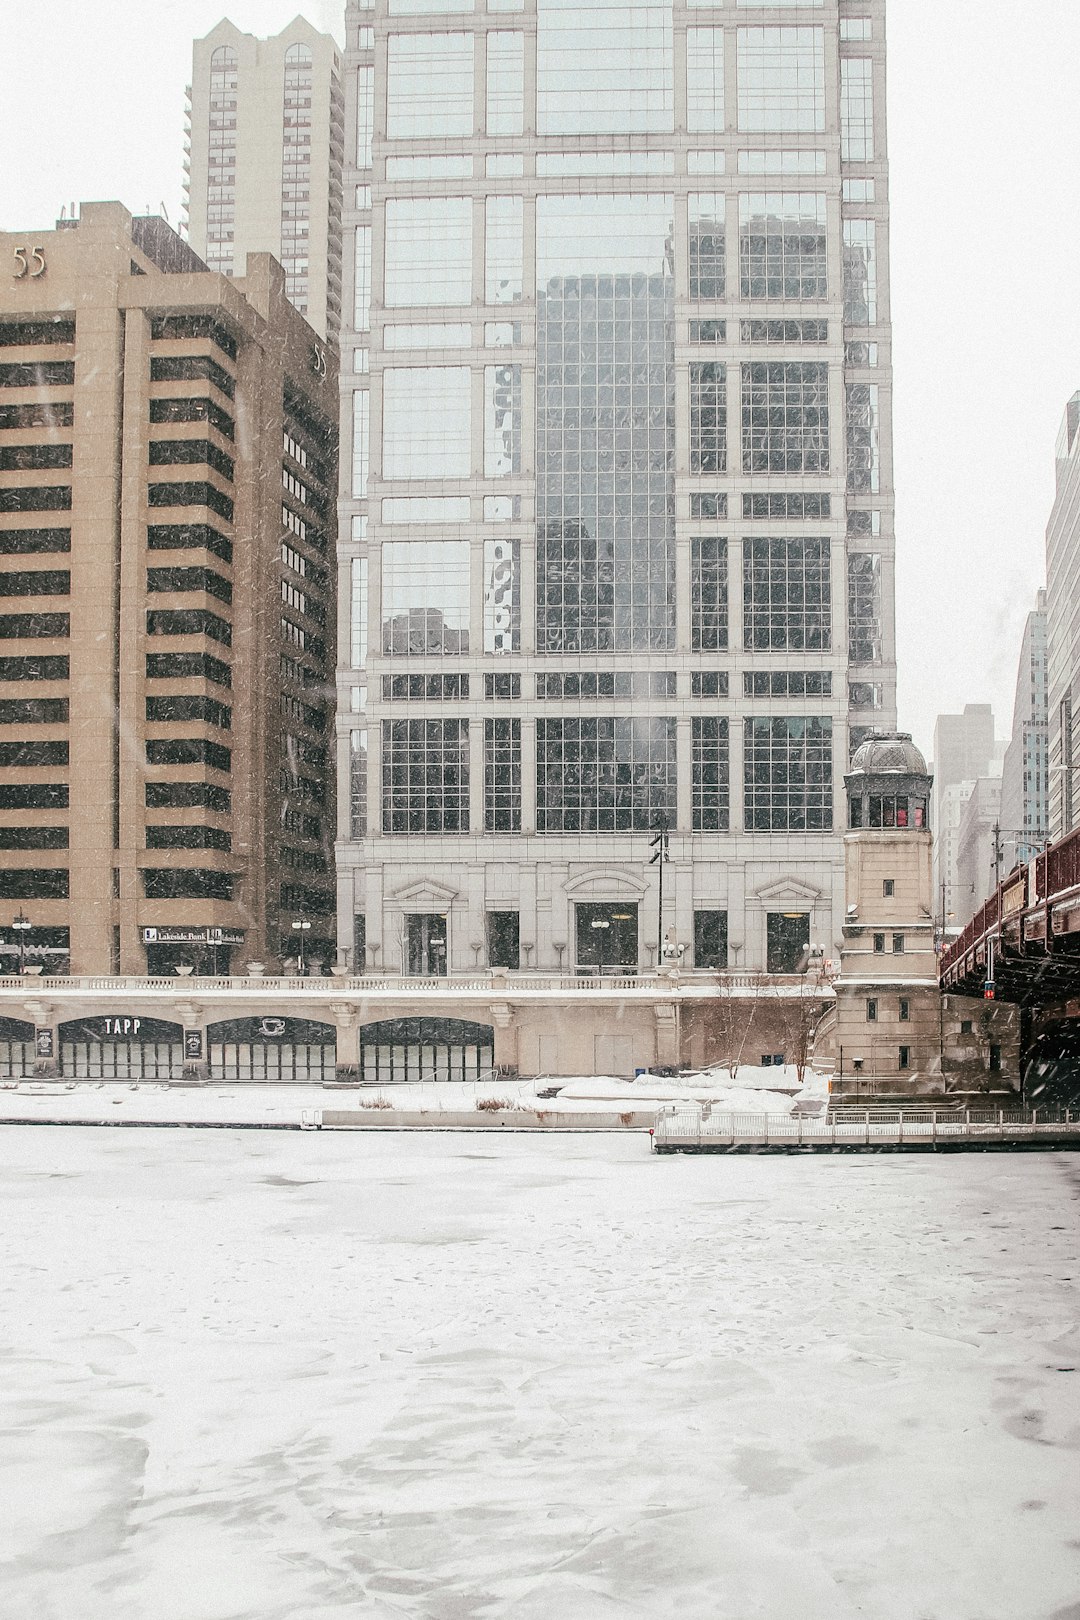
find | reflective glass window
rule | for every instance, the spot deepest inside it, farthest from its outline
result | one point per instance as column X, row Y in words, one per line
column 787, row 774
column 427, row 417
column 706, row 244
column 593, row 163
column 785, row 416
column 604, row 67
column 708, row 593
column 502, row 596
column 704, row 79
column 501, row 334
column 605, row 423
column 860, row 272
column 413, row 8
column 786, row 595
column 706, row 162
column 780, row 162
column 456, row 335
column 708, row 416
column 709, row 743
column 863, row 608
column 358, row 613
column 856, row 109
column 503, row 266
column 856, row 28
column 425, row 597
column 781, row 76
column 429, row 167
column 502, row 508
column 358, row 760
column 863, row 439
column 502, row 421
column 361, row 440
column 425, row 776
column 428, row 251
column 860, row 355
column 783, row 331
column 604, row 774
column 799, row 504
column 426, row 509
column 770, row 5
column 506, row 5
column 783, row 251
column 502, row 775
column 362, row 279
column 365, row 116
column 429, row 87
column 787, row 683
column 858, row 191
column 505, row 83
column 498, row 164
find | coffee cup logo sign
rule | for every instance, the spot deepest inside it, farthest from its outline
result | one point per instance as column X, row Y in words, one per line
column 272, row 1027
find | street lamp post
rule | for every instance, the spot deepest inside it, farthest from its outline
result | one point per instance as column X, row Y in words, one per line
column 22, row 926
column 300, row 928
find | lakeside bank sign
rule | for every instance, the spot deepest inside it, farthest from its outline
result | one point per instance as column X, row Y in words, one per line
column 193, row 936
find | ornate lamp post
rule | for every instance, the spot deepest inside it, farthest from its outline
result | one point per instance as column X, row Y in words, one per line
column 22, row 926
column 300, row 928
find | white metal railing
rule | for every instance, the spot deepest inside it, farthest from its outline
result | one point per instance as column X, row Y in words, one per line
column 689, row 984
column 689, row 1126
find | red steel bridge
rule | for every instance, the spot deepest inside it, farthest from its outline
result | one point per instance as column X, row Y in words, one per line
column 1024, row 944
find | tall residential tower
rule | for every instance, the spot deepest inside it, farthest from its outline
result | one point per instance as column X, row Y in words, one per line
column 617, row 529
column 266, row 133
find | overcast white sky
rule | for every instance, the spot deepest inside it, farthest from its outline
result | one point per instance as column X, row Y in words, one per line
column 985, row 259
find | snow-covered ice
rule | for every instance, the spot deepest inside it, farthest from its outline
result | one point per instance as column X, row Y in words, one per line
column 252, row 1376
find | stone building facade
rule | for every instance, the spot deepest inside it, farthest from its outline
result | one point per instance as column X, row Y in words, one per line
column 167, row 467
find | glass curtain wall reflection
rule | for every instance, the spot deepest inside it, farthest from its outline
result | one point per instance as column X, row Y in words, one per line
column 605, row 423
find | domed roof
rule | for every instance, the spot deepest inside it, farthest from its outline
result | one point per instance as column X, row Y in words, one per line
column 891, row 752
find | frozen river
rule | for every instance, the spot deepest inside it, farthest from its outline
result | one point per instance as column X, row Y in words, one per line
column 285, row 1377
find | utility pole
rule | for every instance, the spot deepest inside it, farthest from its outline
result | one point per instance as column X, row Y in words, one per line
column 659, row 846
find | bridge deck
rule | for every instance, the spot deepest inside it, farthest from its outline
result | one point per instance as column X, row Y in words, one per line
column 693, row 1130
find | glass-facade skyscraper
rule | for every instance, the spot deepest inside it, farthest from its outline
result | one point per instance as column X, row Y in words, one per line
column 617, row 527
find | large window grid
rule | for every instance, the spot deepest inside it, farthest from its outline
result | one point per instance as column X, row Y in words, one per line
column 602, row 69
column 860, row 272
column 502, row 421
column 786, row 595
column 781, row 76
column 707, row 248
column 505, row 83
column 856, row 109
column 785, row 416
column 503, row 249
column 429, row 90
column 502, row 775
column 221, row 160
column 787, row 774
column 604, row 774
column 864, row 608
column 783, row 249
column 708, row 416
column 605, row 406
column 708, row 593
column 427, row 422
column 705, row 79
column 863, row 439
column 425, row 776
column 711, row 808
column 428, row 251
column 425, row 597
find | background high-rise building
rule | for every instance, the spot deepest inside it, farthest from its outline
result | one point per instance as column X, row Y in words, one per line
column 167, row 473
column 964, row 748
column 1063, row 627
column 1024, row 776
column 617, row 534
column 266, row 133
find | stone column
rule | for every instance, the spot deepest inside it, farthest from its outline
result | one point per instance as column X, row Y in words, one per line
column 195, row 1070
column 347, row 1065
column 506, row 1035
column 667, row 1033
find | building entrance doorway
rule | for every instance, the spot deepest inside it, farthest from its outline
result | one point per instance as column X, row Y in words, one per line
column 607, row 937
column 787, row 941
column 425, row 945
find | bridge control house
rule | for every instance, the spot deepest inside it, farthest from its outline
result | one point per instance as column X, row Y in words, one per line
column 168, row 449
column 895, row 1035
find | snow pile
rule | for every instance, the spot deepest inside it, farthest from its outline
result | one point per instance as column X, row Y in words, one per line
column 651, row 1092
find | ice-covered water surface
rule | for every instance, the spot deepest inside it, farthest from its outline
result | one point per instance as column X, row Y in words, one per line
column 287, row 1377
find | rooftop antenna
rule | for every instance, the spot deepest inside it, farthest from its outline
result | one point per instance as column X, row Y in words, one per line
column 164, row 213
column 63, row 211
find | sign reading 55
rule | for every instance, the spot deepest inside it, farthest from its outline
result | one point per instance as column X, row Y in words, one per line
column 29, row 262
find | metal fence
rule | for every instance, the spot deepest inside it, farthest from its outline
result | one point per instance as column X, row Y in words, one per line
column 682, row 1126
